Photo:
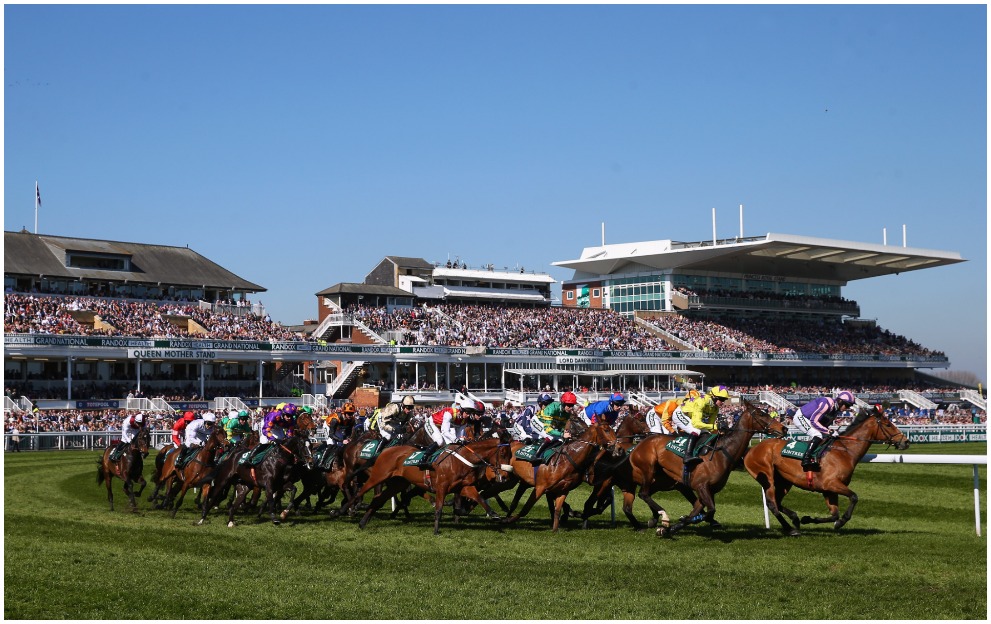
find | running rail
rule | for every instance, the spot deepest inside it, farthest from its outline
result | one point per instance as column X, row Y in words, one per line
column 895, row 458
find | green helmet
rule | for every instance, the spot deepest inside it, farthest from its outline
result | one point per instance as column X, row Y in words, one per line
column 307, row 409
column 242, row 413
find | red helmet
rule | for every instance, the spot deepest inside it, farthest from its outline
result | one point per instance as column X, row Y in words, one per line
column 569, row 398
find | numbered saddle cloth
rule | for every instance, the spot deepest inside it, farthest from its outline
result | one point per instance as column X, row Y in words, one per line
column 323, row 456
column 257, row 457
column 679, row 444
column 796, row 449
column 417, row 458
column 119, row 450
column 370, row 449
column 529, row 453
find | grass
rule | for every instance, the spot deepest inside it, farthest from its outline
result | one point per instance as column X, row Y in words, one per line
column 910, row 552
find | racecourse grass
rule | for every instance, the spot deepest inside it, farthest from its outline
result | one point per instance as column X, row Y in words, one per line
column 910, row 552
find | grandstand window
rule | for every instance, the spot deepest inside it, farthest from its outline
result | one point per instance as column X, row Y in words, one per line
column 571, row 295
column 95, row 261
column 596, row 292
column 794, row 288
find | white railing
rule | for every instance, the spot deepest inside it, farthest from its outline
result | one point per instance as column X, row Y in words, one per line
column 9, row 405
column 916, row 399
column 974, row 398
column 316, row 401
column 227, row 404
column 776, row 401
column 149, row 405
column 665, row 333
column 347, row 373
column 641, row 399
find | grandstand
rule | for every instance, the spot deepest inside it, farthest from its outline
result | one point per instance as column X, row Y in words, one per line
column 89, row 322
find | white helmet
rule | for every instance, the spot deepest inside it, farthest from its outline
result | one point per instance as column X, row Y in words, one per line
column 467, row 404
column 209, row 417
column 139, row 418
column 232, row 414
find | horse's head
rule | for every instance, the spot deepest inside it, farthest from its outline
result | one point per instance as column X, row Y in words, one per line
column 305, row 424
column 576, row 427
column 143, row 441
column 887, row 431
column 634, row 424
column 300, row 448
column 757, row 419
column 600, row 434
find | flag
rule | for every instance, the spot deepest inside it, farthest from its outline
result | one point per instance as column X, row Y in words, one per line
column 37, row 194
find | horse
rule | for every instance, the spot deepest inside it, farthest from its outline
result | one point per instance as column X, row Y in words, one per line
column 355, row 467
column 777, row 474
column 458, row 470
column 273, row 474
column 653, row 468
column 631, row 428
column 128, row 467
column 564, row 471
column 200, row 468
column 162, row 477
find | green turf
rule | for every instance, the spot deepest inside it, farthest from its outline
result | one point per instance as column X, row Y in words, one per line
column 910, row 552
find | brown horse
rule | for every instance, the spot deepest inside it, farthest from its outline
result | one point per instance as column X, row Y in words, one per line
column 199, row 470
column 127, row 468
column 777, row 474
column 565, row 470
column 273, row 474
column 653, row 468
column 631, row 428
column 458, row 470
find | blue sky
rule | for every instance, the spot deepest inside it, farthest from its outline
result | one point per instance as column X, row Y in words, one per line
column 299, row 145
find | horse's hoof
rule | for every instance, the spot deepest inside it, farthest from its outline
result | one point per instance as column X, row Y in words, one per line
column 276, row 522
column 494, row 516
column 663, row 532
column 230, row 525
column 806, row 520
column 714, row 525
column 652, row 523
column 794, row 533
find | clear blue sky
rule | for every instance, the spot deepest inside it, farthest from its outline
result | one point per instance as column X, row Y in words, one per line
column 299, row 145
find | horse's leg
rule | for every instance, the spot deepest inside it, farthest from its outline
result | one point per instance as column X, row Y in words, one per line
column 110, row 489
column 832, row 502
column 178, row 501
column 556, row 515
column 142, row 483
column 523, row 486
column 440, row 493
column 471, row 492
column 241, row 492
column 534, row 496
column 392, row 488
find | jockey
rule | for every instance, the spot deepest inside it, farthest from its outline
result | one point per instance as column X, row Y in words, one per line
column 238, row 427
column 129, row 427
column 553, row 418
column 698, row 415
column 814, row 419
column 393, row 417
column 445, row 425
column 524, row 428
column 179, row 428
column 340, row 424
column 608, row 410
column 659, row 419
column 280, row 424
column 197, row 433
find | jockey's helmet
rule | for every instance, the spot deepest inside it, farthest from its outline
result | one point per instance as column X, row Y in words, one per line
column 569, row 398
column 545, row 399
column 847, row 397
column 209, row 417
column 409, row 401
column 349, row 408
column 242, row 414
column 617, row 398
column 139, row 418
column 289, row 409
column 719, row 393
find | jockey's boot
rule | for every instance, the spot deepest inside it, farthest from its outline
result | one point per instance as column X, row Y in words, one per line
column 117, row 452
column 690, row 458
column 427, row 452
column 809, row 461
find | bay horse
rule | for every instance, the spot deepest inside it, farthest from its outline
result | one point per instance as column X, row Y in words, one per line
column 653, row 468
column 459, row 469
column 128, row 467
column 164, row 471
column 273, row 475
column 565, row 470
column 199, row 470
column 777, row 474
column 356, row 468
column 631, row 428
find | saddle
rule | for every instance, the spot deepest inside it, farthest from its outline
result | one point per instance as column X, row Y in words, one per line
column 185, row 455
column 680, row 444
column 119, row 450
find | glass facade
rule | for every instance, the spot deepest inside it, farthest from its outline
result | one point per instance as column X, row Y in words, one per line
column 629, row 294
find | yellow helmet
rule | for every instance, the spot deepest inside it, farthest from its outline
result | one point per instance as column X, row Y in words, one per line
column 719, row 392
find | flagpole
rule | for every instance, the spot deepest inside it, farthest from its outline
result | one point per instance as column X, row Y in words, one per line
column 37, row 196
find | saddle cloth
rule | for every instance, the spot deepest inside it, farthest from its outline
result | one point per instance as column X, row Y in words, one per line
column 417, row 457
column 529, row 453
column 796, row 449
column 370, row 449
column 679, row 444
column 324, row 456
column 258, row 458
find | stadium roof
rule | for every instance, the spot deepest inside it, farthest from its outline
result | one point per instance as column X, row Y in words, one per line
column 25, row 253
column 350, row 288
column 783, row 255
column 493, row 275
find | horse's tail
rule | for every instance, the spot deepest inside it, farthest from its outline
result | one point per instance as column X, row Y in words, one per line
column 100, row 473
